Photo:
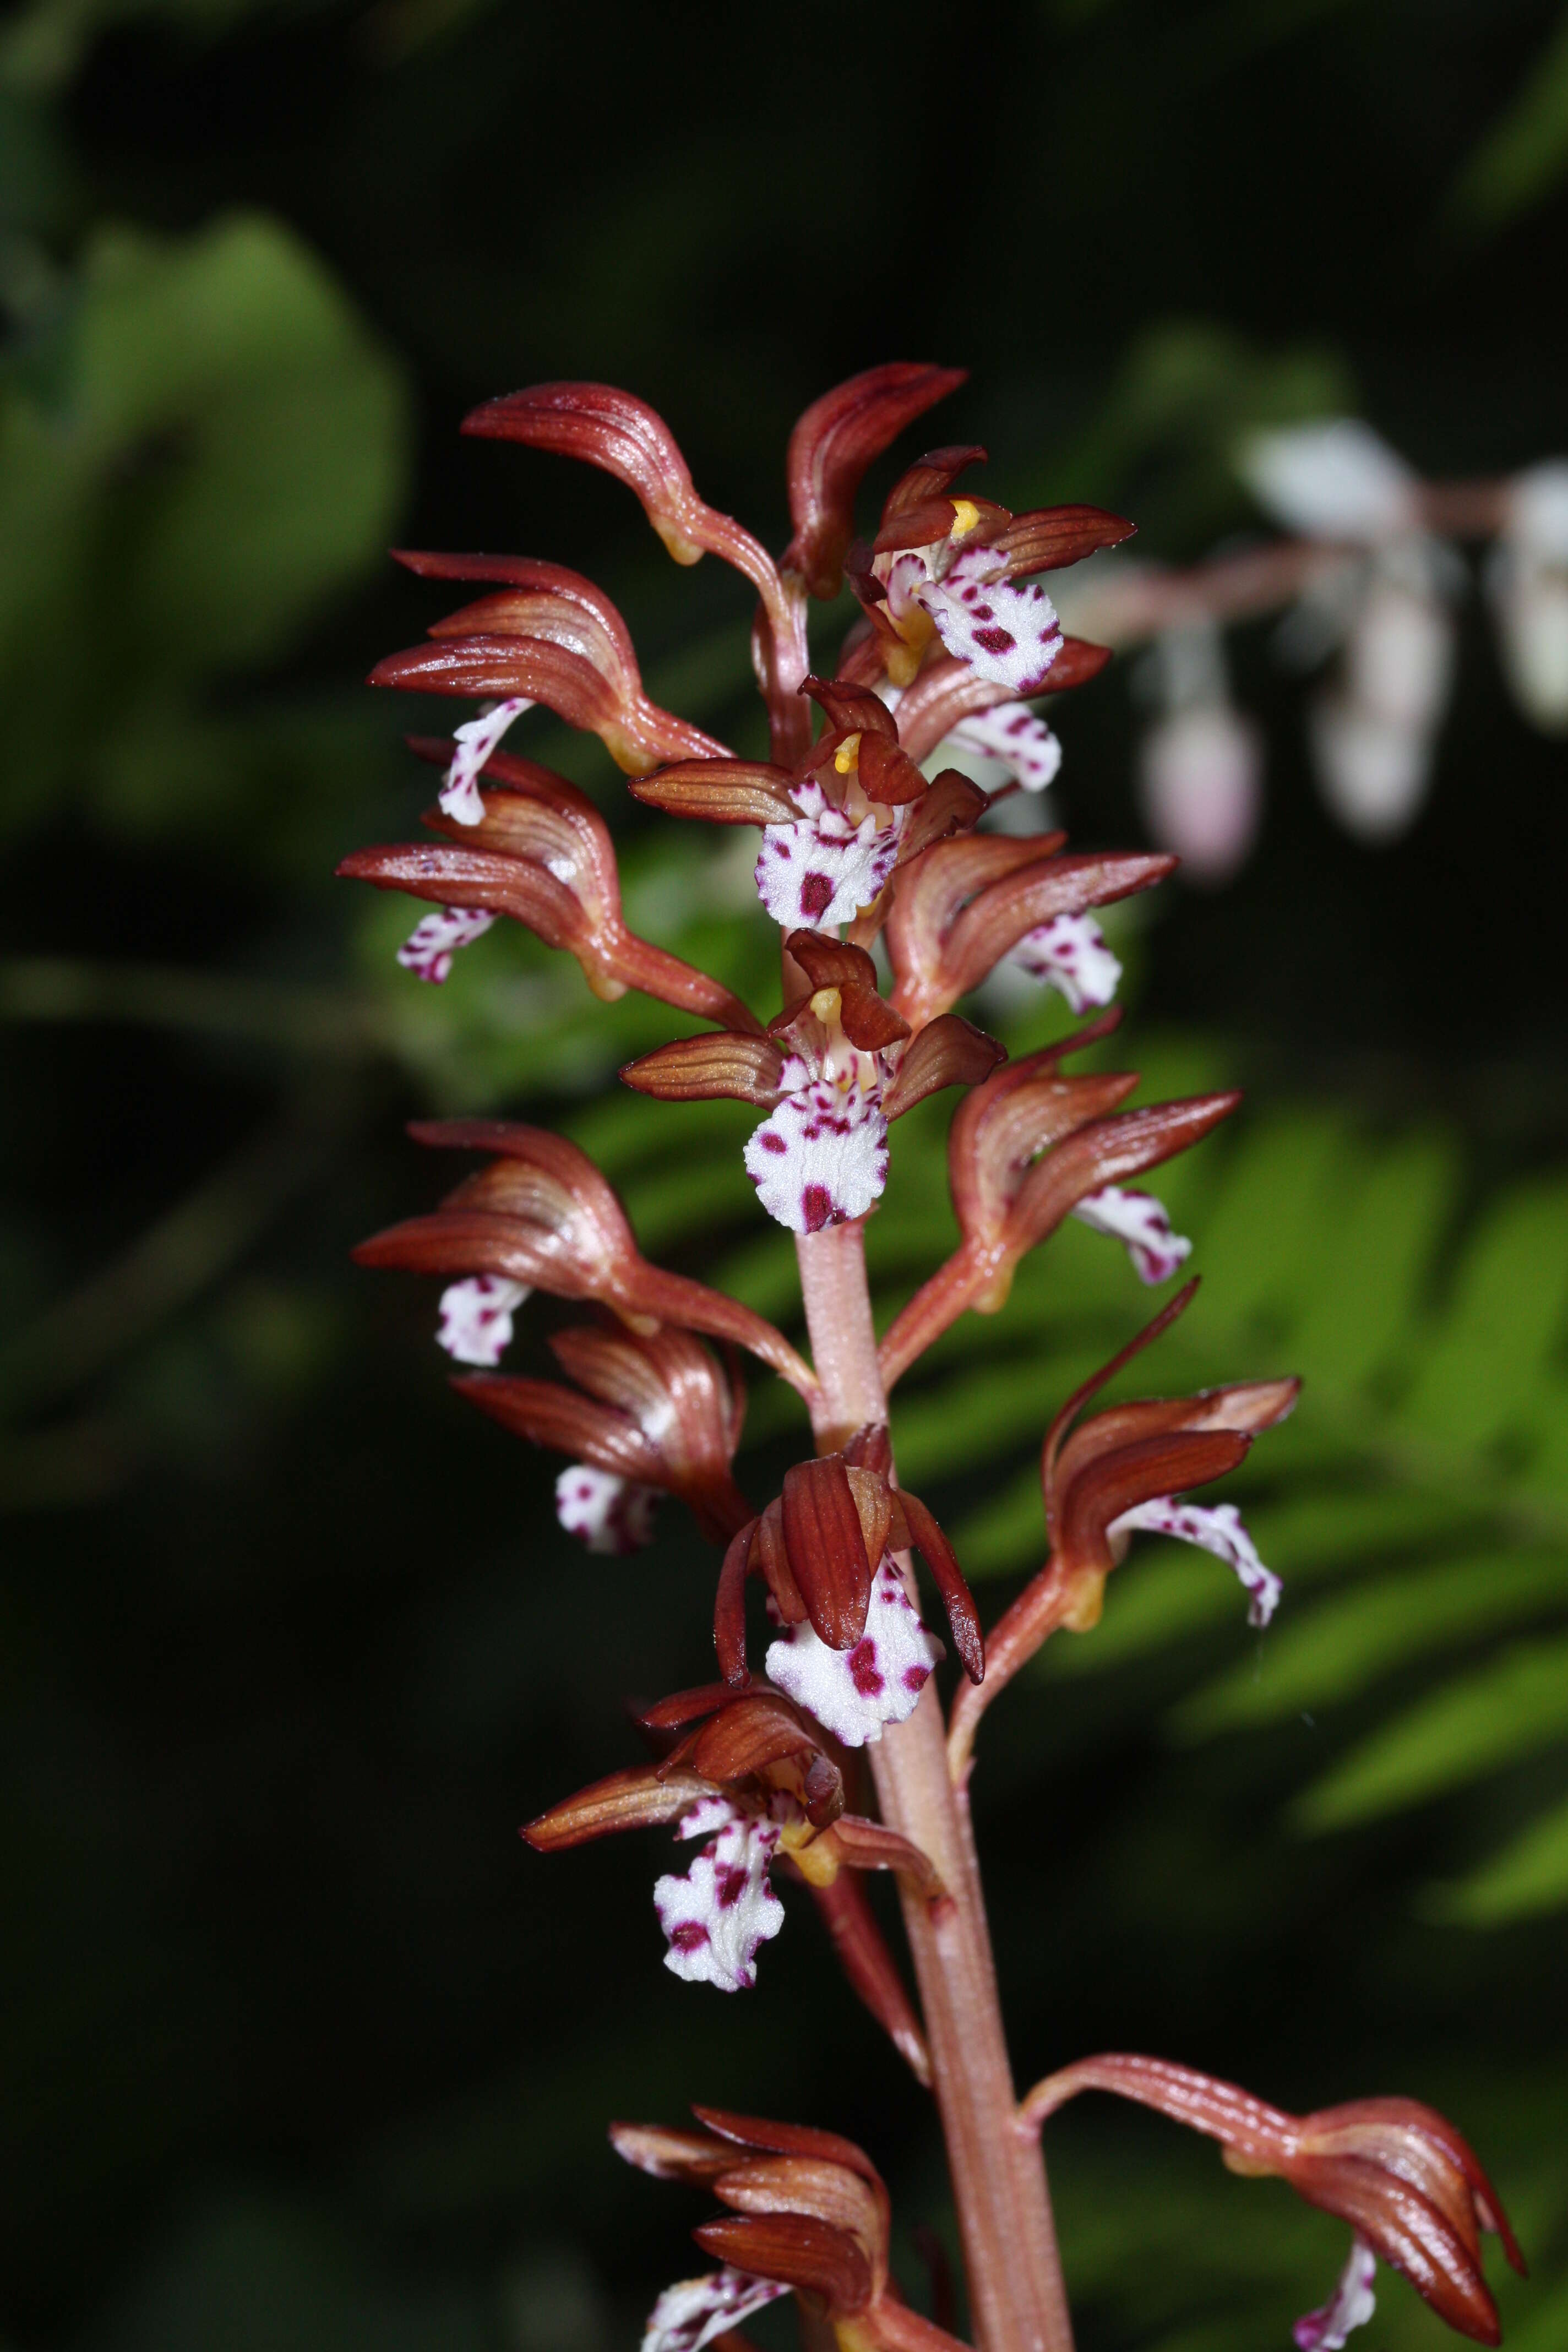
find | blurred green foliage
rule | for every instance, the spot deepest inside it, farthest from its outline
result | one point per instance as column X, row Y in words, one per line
column 299, row 2050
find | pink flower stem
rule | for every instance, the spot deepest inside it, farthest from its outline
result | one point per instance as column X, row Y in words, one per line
column 1016, row 2291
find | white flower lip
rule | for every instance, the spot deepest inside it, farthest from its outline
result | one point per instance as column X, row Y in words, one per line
column 1138, row 1220
column 1352, row 2305
column 1069, row 954
column 853, row 1693
column 821, row 1156
column 1009, row 633
column 1012, row 734
column 609, row 1515
column 689, row 2314
column 821, row 871
column 1217, row 1527
column 476, row 1318
column 428, row 949
column 476, row 740
column 718, row 1915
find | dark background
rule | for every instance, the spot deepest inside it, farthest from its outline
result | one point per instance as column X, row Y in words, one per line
column 301, row 2047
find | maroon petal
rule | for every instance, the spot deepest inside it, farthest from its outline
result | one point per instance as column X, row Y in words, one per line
column 827, row 1549
column 701, row 1069
column 948, row 1051
column 831, row 447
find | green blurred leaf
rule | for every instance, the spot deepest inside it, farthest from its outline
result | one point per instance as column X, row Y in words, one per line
column 1524, row 155
column 1529, row 1876
column 1511, row 1708
column 222, row 449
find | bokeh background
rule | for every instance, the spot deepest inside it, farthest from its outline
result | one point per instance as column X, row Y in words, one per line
column 301, row 2048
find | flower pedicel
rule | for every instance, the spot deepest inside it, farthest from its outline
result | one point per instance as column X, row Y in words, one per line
column 868, row 833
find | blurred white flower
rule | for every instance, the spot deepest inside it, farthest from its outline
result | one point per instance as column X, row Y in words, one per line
column 1338, row 479
column 1528, row 581
column 1374, row 731
column 1200, row 785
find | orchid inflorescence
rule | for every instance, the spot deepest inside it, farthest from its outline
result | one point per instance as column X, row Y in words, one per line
column 895, row 900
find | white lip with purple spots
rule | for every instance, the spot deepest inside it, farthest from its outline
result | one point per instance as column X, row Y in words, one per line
column 718, row 1915
column 1139, row 1221
column 853, row 1693
column 1009, row 633
column 476, row 1318
column 689, row 2314
column 428, row 949
column 475, row 740
column 609, row 1515
column 1217, row 1527
column 821, row 1155
column 1069, row 954
column 820, row 872
column 1352, row 2305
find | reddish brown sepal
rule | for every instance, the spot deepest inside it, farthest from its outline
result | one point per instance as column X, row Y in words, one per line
column 957, row 1599
column 634, row 1799
column 1046, row 538
column 702, row 1069
column 931, row 476
column 851, row 709
column 888, row 774
column 948, row 1051
column 831, row 447
column 796, row 2250
column 827, row 1549
column 722, row 791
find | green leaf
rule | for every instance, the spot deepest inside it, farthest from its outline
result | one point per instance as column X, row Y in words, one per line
column 1346, row 1642
column 1509, row 1708
column 1479, row 1366
column 222, row 449
column 1529, row 1876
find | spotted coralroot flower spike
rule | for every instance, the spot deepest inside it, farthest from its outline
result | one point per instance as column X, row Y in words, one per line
column 836, row 1737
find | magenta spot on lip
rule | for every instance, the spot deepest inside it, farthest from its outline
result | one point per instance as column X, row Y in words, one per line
column 863, row 1668
column 815, row 1207
column 689, row 1937
column 731, row 1884
column 916, row 1677
column 816, row 890
column 772, row 1142
column 995, row 641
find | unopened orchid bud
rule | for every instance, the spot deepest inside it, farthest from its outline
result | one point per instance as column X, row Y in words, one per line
column 1201, row 763
column 1201, row 788
column 1373, row 731
column 1528, row 579
column 831, row 447
column 1373, row 773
